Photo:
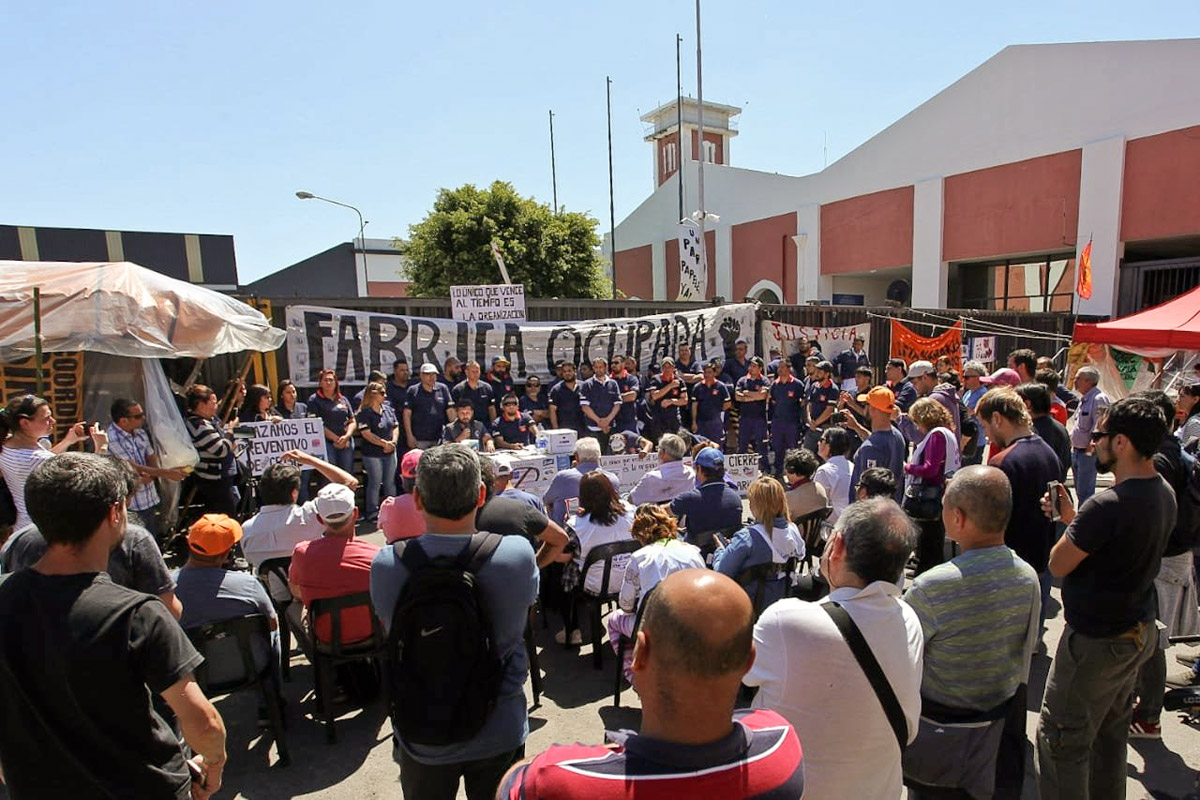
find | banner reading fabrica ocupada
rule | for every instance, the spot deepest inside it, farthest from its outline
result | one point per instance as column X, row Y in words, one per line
column 352, row 343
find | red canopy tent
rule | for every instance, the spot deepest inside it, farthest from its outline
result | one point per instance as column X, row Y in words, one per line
column 1173, row 325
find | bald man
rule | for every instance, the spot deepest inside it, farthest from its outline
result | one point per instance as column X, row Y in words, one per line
column 979, row 614
column 695, row 643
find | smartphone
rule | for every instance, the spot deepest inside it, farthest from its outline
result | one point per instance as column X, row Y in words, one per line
column 197, row 775
column 1055, row 497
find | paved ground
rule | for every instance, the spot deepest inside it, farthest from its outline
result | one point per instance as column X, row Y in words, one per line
column 576, row 705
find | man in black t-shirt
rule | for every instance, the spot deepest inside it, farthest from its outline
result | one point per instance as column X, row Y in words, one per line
column 1037, row 400
column 509, row 517
column 81, row 657
column 1108, row 559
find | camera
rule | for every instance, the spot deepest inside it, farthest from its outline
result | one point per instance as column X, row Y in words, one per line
column 839, row 417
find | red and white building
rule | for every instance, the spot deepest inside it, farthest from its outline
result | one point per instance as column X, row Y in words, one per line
column 981, row 197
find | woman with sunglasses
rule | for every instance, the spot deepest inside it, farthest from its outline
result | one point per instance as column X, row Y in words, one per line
column 26, row 425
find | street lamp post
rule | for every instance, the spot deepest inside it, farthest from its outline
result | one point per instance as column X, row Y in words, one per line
column 361, row 280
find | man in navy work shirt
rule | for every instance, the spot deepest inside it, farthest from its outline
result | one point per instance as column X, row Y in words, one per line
column 823, row 395
column 448, row 492
column 849, row 360
column 478, row 392
column 513, row 430
column 710, row 400
column 695, row 641
column 713, row 506
column 787, row 413
column 896, row 372
column 565, row 409
column 666, row 394
column 427, row 408
column 466, row 428
column 533, row 400
column 737, row 367
column 500, row 379
column 631, row 389
column 397, row 385
column 883, row 446
column 752, row 394
column 600, row 401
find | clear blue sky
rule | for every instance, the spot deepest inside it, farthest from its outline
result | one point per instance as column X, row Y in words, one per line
column 207, row 117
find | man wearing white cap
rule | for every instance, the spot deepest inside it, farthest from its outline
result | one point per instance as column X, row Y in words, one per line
column 335, row 565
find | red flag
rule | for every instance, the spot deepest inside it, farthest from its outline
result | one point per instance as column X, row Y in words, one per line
column 1084, row 289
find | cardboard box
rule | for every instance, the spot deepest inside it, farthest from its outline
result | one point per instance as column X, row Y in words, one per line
column 557, row 441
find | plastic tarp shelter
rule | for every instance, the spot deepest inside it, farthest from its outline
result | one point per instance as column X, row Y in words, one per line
column 122, row 309
column 1155, row 332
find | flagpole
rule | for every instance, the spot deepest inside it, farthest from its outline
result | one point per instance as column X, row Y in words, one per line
column 553, row 169
column 679, row 120
column 612, row 214
column 700, row 145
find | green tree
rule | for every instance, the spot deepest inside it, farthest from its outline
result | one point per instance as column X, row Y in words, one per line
column 554, row 255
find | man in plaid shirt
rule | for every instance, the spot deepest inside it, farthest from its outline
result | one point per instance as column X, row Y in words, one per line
column 128, row 440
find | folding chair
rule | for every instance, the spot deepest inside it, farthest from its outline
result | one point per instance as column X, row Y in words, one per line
column 244, row 630
column 278, row 569
column 604, row 554
column 328, row 655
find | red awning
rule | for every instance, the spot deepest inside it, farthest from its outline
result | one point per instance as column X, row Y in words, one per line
column 1175, row 324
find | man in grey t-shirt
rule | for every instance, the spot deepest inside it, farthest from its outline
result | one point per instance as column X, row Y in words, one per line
column 136, row 563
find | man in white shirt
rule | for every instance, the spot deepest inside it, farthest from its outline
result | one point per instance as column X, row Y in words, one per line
column 806, row 671
column 835, row 474
column 671, row 479
column 282, row 523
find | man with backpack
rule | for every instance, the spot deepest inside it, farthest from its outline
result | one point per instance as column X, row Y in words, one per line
column 455, row 603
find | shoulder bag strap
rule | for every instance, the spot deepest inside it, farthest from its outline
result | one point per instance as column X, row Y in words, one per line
column 874, row 672
column 479, row 550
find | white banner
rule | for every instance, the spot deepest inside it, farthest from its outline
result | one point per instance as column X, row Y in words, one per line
column 352, row 343
column 983, row 348
column 500, row 302
column 531, row 474
column 782, row 335
column 273, row 439
column 743, row 469
column 630, row 468
column 693, row 265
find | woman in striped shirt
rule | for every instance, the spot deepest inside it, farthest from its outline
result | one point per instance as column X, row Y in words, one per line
column 216, row 473
column 26, row 426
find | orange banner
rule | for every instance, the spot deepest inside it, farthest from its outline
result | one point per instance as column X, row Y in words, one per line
column 1085, row 272
column 911, row 347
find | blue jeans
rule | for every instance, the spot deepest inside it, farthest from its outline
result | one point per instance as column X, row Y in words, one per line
column 1084, row 467
column 381, row 472
column 343, row 459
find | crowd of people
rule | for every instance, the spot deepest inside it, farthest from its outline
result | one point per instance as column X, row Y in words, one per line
column 877, row 653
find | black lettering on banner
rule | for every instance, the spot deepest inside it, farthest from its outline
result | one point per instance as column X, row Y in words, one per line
column 349, row 364
column 645, row 329
column 316, row 328
column 551, row 340
column 630, row 329
column 662, row 341
column 379, row 343
column 461, row 341
column 481, row 353
column 597, row 331
column 514, row 348
column 699, row 347
column 428, row 353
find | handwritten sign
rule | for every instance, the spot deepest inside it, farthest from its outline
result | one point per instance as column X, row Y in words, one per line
column 494, row 303
column 530, row 473
column 780, row 335
column 630, row 468
column 62, row 375
column 743, row 469
column 273, row 439
column 693, row 266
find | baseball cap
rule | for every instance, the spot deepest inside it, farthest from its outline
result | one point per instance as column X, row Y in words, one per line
column 668, row 360
column 510, row 400
column 501, row 360
column 710, row 458
column 463, row 402
column 919, row 368
column 1002, row 377
column 502, row 467
column 408, row 464
column 427, row 367
column 881, row 398
column 214, row 534
column 756, row 361
column 335, row 502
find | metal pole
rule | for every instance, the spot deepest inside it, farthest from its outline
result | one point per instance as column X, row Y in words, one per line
column 679, row 120
column 362, row 242
column 700, row 142
column 612, row 214
column 37, row 338
column 553, row 169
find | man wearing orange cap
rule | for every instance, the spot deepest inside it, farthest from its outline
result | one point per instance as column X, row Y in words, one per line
column 211, row 593
column 885, row 446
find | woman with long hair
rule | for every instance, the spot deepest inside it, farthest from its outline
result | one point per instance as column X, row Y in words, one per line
column 257, row 406
column 26, row 425
column 1187, row 413
column 335, row 411
column 773, row 538
column 662, row 553
column 287, row 403
column 933, row 461
column 380, row 431
column 603, row 518
column 216, row 474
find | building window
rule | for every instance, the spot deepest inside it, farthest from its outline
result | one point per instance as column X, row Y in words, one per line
column 710, row 152
column 669, row 156
column 1024, row 284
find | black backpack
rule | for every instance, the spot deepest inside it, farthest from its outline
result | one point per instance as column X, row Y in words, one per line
column 446, row 670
